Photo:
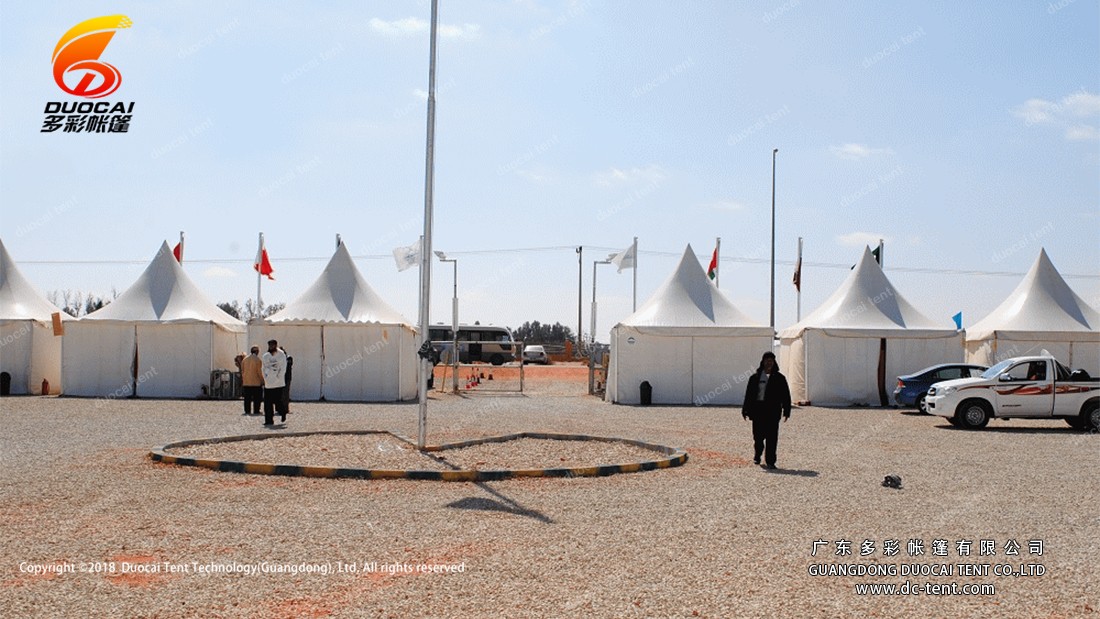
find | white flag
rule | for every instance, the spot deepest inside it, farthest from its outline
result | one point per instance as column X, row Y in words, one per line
column 407, row 256
column 625, row 258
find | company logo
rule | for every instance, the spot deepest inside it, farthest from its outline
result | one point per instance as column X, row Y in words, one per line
column 78, row 71
column 77, row 57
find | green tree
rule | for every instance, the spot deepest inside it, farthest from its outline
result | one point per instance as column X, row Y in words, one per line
column 535, row 332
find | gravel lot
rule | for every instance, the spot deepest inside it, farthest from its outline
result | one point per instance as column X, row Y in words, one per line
column 717, row 537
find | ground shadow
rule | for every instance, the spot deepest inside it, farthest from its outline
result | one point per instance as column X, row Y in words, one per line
column 472, row 395
column 795, row 472
column 1016, row 430
column 914, row 413
column 502, row 504
column 1010, row 430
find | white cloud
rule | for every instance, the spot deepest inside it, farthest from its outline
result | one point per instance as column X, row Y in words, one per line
column 858, row 151
column 420, row 93
column 651, row 174
column 219, row 272
column 1036, row 111
column 1082, row 104
column 465, row 32
column 1082, row 133
column 1065, row 114
column 860, row 239
column 410, row 26
column 398, row 27
column 539, row 176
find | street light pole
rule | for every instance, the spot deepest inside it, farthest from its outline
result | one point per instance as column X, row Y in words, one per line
column 454, row 319
column 594, row 263
column 592, row 349
column 580, row 296
column 771, row 321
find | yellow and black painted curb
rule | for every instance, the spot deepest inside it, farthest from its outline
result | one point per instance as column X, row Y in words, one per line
column 669, row 457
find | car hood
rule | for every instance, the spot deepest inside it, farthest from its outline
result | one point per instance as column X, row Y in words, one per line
column 958, row 382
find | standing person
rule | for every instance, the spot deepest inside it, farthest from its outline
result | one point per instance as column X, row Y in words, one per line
column 766, row 398
column 252, row 381
column 274, row 381
column 286, row 389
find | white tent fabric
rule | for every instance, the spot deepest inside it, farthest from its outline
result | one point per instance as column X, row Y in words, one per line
column 29, row 350
column 348, row 344
column 688, row 341
column 160, row 338
column 1042, row 313
column 831, row 357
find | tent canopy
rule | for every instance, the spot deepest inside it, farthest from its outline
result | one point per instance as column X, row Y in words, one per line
column 31, row 351
column 1042, row 305
column 340, row 294
column 347, row 343
column 688, row 341
column 868, row 305
column 165, row 294
column 687, row 303
column 19, row 300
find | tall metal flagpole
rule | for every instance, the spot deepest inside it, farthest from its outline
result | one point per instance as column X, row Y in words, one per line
column 771, row 321
column 798, row 315
column 635, row 306
column 426, row 247
column 259, row 278
column 580, row 296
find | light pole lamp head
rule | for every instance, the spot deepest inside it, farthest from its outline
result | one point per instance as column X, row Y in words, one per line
column 440, row 255
column 775, row 150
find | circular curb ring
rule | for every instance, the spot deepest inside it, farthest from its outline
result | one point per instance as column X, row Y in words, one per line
column 672, row 456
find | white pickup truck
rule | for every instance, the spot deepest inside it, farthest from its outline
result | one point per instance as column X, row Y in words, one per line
column 1021, row 387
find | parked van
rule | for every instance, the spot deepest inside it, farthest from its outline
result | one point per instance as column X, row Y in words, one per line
column 476, row 343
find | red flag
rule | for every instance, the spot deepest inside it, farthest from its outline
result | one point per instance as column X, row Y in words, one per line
column 712, row 270
column 798, row 275
column 177, row 251
column 262, row 264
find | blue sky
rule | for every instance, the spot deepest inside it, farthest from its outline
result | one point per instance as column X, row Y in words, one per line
column 966, row 135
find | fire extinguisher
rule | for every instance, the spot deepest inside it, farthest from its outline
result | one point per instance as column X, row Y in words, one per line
column 45, row 387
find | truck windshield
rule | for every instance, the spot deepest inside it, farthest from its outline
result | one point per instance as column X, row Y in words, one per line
column 992, row 372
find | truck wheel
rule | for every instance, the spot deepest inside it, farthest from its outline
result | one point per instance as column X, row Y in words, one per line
column 973, row 414
column 496, row 359
column 953, row 421
column 1090, row 417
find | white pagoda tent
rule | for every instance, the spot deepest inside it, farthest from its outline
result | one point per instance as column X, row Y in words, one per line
column 688, row 341
column 348, row 344
column 160, row 338
column 29, row 350
column 831, row 357
column 1042, row 313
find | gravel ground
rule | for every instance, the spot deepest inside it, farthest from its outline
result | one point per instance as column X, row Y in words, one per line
column 384, row 451
column 717, row 537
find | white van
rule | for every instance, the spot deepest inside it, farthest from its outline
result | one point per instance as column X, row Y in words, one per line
column 484, row 343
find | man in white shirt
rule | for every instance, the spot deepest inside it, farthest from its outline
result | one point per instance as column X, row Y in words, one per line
column 274, row 382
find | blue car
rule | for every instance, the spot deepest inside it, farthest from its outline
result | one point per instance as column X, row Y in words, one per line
column 912, row 388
